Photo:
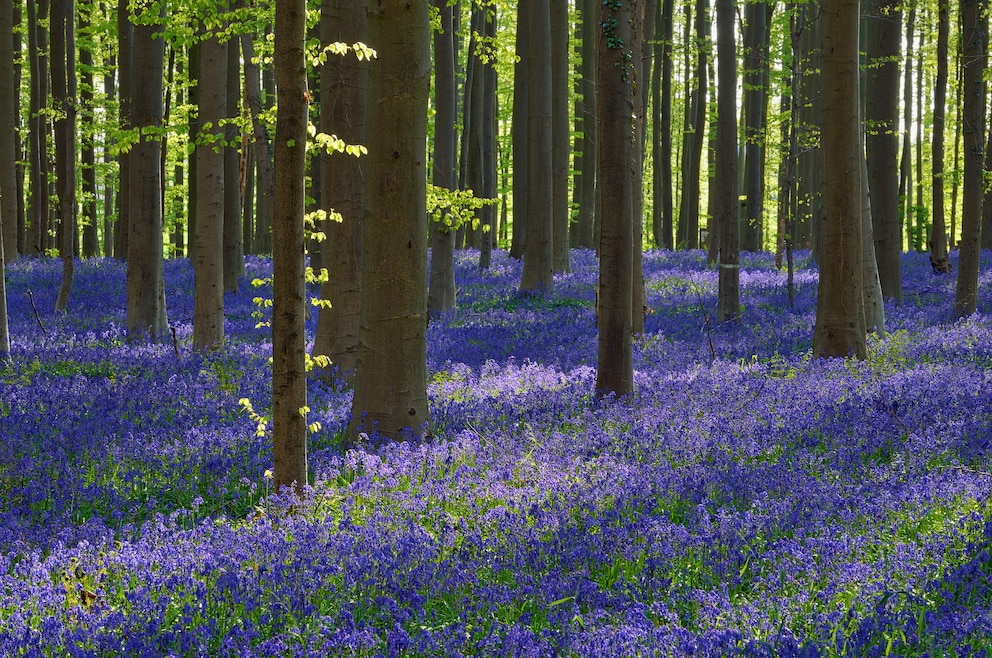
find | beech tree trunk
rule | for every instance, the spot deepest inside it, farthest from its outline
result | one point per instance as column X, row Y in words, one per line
column 882, row 144
column 974, row 39
column 263, row 149
column 146, row 314
column 560, row 142
column 537, row 277
column 663, row 219
column 289, row 378
column 344, row 84
column 208, row 238
column 519, row 131
column 234, row 246
column 755, row 85
column 441, row 292
column 125, row 88
column 939, row 260
column 615, row 75
column 727, row 203
column 64, row 101
column 391, row 382
column 8, row 129
column 840, row 329
column 586, row 222
column 694, row 135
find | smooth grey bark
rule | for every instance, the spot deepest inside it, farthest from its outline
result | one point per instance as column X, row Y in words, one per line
column 490, row 130
column 8, row 126
column 755, row 91
column 391, row 382
column 974, row 39
column 882, row 144
column 519, row 134
column 560, row 141
column 262, row 242
column 616, row 73
column 234, row 247
column 694, row 133
column 125, row 88
column 537, row 277
column 344, row 84
column 441, row 286
column 586, row 221
column 939, row 260
column 90, row 221
column 727, row 205
column 289, row 378
column 146, row 312
column 663, row 221
column 208, row 236
column 64, row 102
column 839, row 330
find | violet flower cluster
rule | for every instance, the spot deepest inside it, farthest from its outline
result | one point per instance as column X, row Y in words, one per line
column 746, row 500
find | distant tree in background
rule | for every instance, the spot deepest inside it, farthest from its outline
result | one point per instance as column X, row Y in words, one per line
column 937, row 243
column 8, row 128
column 727, row 214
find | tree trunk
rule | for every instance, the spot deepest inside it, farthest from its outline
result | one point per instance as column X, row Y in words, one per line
column 234, row 246
column 537, row 277
column 939, row 260
column 289, row 378
column 110, row 91
column 882, row 145
column 146, row 315
column 490, row 130
column 663, row 220
column 694, row 134
column 64, row 102
column 90, row 221
column 125, row 88
column 519, row 133
column 586, row 222
column 727, row 206
column 391, row 381
column 615, row 76
column 560, row 156
column 208, row 238
column 974, row 39
column 907, row 204
column 344, row 84
column 8, row 130
column 840, row 330
column 263, row 149
column 441, row 292
column 809, row 215
column 756, row 42
column 871, row 294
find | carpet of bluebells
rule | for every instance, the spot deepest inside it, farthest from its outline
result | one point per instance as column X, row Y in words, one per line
column 746, row 500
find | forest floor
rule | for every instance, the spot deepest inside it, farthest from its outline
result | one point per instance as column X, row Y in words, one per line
column 745, row 500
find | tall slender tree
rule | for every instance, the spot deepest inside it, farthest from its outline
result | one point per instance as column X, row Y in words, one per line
column 662, row 220
column 586, row 221
column 234, row 247
column 755, row 91
column 125, row 94
column 840, row 326
column 974, row 41
column 289, row 379
column 8, row 130
column 391, row 381
column 616, row 73
column 537, row 277
column 89, row 220
column 882, row 143
column 939, row 260
column 262, row 241
column 208, row 237
column 694, row 133
column 64, row 101
column 344, row 85
column 560, row 127
column 146, row 313
column 727, row 204
column 441, row 291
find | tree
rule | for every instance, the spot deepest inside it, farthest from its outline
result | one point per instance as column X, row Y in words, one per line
column 560, row 127
column 693, row 133
column 974, row 40
column 727, row 203
column 343, row 111
column 441, row 291
column 537, row 277
column 8, row 128
column 520, row 126
column 234, row 246
column 289, row 379
column 391, row 382
column 840, row 327
column 91, row 238
column 939, row 260
column 4, row 327
column 616, row 73
column 64, row 102
column 586, row 181
column 146, row 316
column 125, row 88
column 755, row 91
column 663, row 223
column 38, row 210
column 882, row 144
column 208, row 239
column 262, row 241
